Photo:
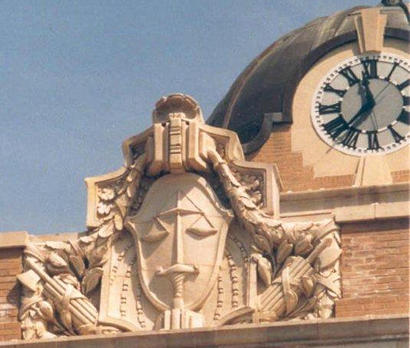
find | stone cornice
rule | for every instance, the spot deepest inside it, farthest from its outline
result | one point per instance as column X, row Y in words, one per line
column 349, row 204
column 368, row 329
column 15, row 239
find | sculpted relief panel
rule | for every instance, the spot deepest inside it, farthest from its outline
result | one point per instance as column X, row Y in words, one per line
column 187, row 234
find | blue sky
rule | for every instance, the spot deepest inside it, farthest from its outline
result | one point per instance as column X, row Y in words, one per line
column 78, row 77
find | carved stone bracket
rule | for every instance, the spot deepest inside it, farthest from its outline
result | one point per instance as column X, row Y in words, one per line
column 186, row 234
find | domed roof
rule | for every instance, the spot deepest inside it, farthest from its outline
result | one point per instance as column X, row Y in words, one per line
column 262, row 94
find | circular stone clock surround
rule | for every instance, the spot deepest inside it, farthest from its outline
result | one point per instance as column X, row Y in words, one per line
column 325, row 159
column 361, row 106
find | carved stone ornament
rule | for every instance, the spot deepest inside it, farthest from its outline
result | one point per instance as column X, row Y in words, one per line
column 187, row 234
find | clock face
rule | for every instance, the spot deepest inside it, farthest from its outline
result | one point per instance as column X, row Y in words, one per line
column 362, row 107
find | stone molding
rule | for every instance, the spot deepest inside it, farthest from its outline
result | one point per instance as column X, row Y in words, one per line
column 367, row 331
column 15, row 239
column 370, row 25
column 349, row 204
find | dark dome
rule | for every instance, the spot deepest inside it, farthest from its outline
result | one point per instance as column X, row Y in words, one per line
column 262, row 94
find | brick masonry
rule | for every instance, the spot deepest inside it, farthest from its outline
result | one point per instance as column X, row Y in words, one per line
column 10, row 266
column 295, row 176
column 375, row 260
column 375, row 268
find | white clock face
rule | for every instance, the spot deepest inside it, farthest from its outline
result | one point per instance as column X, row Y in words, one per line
column 362, row 107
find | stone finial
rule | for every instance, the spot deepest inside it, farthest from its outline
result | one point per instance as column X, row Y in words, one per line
column 177, row 104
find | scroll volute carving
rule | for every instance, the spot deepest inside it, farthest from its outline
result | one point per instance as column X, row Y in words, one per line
column 182, row 185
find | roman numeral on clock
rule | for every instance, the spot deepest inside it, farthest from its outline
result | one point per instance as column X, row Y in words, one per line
column 395, row 65
column 403, row 85
column 339, row 92
column 350, row 76
column 396, row 136
column 373, row 140
column 330, row 109
column 350, row 138
column 370, row 68
column 404, row 117
column 335, row 127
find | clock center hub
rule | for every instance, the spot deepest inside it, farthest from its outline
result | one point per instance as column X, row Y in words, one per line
column 388, row 105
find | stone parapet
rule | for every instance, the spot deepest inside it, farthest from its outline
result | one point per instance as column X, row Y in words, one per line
column 368, row 331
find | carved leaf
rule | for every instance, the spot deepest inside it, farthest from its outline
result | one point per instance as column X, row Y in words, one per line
column 303, row 247
column 86, row 239
column 103, row 208
column 265, row 270
column 285, row 249
column 56, row 245
column 106, row 230
column 91, row 280
column 66, row 319
column 40, row 329
column 262, row 243
column 28, row 329
column 106, row 194
column 329, row 256
column 308, row 285
column 273, row 230
column 57, row 261
column 98, row 255
column 78, row 264
column 247, row 202
column 132, row 174
column 303, row 226
column 132, row 189
column 118, row 223
column 325, row 307
column 122, row 203
column 47, row 311
column 291, row 301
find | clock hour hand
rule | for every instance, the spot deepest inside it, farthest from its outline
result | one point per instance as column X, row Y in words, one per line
column 367, row 106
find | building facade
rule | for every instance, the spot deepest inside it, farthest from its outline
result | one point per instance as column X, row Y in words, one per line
column 281, row 221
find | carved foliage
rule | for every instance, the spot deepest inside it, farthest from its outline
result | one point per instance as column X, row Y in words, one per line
column 297, row 264
column 60, row 277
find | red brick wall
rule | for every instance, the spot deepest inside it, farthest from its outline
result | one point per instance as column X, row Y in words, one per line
column 375, row 268
column 10, row 266
column 295, row 177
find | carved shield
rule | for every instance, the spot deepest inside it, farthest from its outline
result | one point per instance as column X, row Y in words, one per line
column 180, row 232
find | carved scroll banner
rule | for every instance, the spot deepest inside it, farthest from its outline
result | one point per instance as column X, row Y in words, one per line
column 187, row 234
